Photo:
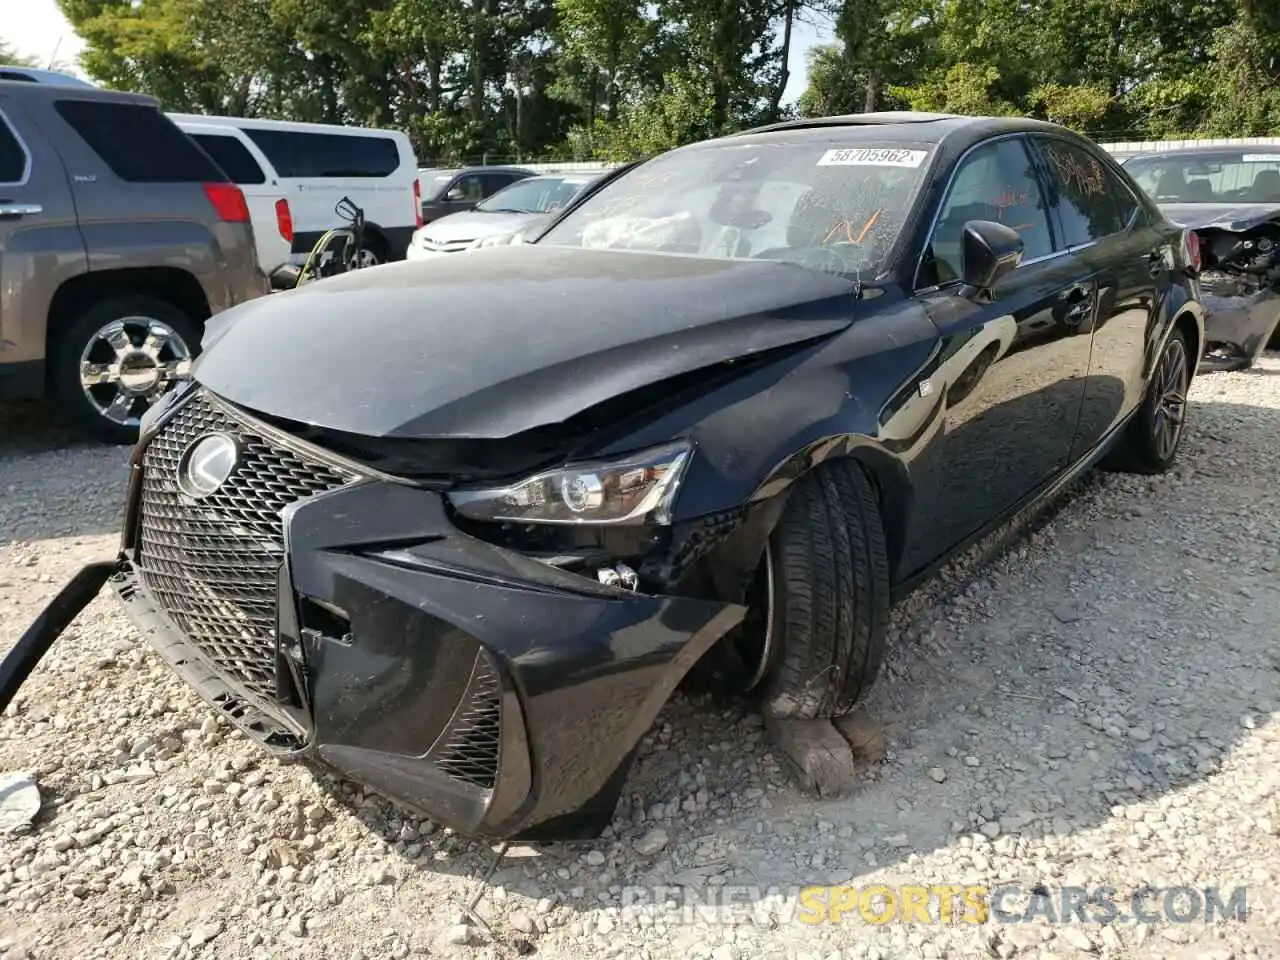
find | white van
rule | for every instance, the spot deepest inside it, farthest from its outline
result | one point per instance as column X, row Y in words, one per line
column 310, row 167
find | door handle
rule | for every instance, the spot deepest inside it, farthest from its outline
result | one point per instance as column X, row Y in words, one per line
column 1078, row 302
column 9, row 211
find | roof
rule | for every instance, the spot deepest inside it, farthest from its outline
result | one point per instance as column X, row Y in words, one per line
column 7, row 70
column 59, row 91
column 902, row 125
column 297, row 126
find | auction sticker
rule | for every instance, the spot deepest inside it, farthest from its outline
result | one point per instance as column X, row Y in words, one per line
column 871, row 157
column 1261, row 158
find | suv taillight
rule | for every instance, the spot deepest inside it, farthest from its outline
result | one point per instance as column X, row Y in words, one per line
column 417, row 201
column 228, row 202
column 1192, row 244
column 284, row 219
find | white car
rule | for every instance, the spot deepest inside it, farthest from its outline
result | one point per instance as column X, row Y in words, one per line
column 292, row 175
column 501, row 218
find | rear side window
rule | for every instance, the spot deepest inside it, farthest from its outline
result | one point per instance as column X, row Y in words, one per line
column 13, row 159
column 232, row 156
column 139, row 143
column 295, row 154
column 1086, row 203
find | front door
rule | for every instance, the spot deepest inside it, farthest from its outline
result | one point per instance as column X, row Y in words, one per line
column 1010, row 374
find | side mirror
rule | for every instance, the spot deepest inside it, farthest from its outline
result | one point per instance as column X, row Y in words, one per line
column 454, row 195
column 988, row 251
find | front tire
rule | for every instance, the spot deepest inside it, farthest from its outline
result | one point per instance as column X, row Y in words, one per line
column 830, row 610
column 1150, row 443
column 118, row 357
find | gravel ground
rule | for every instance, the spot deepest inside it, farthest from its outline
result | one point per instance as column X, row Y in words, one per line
column 1094, row 700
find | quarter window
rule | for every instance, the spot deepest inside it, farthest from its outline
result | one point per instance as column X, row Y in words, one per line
column 996, row 181
column 1086, row 204
column 139, row 143
column 13, row 159
column 320, row 155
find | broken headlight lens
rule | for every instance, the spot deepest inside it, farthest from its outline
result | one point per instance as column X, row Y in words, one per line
column 638, row 488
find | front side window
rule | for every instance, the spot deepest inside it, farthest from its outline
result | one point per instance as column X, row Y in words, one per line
column 1086, row 201
column 831, row 203
column 232, row 156
column 13, row 159
column 466, row 189
column 995, row 181
column 1228, row 176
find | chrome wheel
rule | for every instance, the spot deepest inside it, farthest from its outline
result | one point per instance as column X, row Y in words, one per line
column 128, row 364
column 1171, row 384
column 364, row 258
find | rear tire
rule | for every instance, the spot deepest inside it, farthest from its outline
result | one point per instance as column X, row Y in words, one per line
column 138, row 347
column 831, row 596
column 1150, row 442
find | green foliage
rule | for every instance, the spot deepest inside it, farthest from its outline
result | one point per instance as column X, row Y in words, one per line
column 615, row 79
column 9, row 55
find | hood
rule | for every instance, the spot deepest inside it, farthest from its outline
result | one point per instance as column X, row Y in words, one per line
column 474, row 224
column 1220, row 216
column 504, row 339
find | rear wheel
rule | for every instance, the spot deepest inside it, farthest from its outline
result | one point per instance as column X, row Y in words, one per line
column 820, row 601
column 116, row 359
column 1151, row 441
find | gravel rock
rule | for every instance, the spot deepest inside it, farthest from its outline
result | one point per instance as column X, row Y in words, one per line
column 1109, row 665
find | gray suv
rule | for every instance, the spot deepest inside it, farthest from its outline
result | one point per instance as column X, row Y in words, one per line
column 119, row 237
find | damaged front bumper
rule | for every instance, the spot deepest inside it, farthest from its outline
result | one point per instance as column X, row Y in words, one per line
column 345, row 619
column 1240, row 321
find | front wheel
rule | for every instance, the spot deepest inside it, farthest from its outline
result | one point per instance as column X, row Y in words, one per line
column 116, row 359
column 821, row 599
column 1150, row 443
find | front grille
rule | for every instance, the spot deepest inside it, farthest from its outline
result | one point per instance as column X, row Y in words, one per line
column 471, row 743
column 213, row 565
column 445, row 246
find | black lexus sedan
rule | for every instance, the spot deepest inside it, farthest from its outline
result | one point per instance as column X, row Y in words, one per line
column 457, row 528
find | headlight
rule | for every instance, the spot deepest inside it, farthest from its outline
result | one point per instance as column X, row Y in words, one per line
column 638, row 488
column 495, row 240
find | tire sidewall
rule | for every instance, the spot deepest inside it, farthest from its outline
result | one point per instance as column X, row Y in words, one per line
column 64, row 372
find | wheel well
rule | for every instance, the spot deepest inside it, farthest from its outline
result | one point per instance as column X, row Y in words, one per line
column 174, row 286
column 1187, row 324
column 374, row 237
column 893, row 491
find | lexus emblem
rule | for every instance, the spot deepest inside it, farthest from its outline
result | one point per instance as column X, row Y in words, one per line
column 207, row 464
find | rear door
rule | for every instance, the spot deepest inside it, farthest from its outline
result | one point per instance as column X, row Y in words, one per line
column 1009, row 376
column 40, row 243
column 272, row 227
column 1120, row 251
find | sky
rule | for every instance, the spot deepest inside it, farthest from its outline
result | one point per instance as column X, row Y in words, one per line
column 43, row 32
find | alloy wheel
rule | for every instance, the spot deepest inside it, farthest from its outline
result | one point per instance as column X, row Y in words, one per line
column 1171, row 384
column 365, row 258
column 129, row 363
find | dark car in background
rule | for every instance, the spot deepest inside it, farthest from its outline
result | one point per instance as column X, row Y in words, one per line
column 1230, row 197
column 722, row 411
column 452, row 191
column 119, row 238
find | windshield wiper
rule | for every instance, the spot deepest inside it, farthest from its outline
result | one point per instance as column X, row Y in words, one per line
column 501, row 210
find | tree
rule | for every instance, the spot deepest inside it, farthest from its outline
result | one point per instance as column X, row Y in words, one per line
column 9, row 55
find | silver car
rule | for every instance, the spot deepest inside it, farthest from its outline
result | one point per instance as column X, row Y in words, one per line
column 510, row 211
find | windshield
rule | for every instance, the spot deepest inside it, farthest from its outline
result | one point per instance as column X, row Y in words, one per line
column 533, row 195
column 830, row 204
column 1228, row 177
column 433, row 186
